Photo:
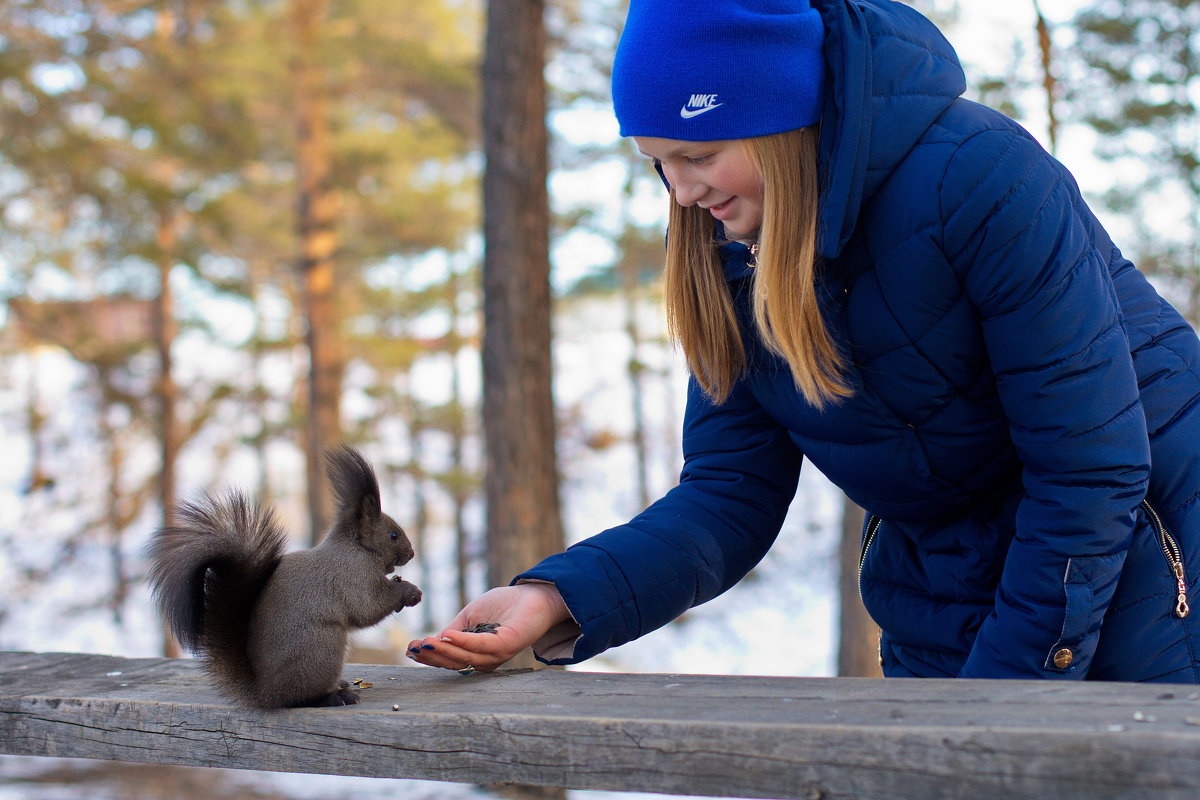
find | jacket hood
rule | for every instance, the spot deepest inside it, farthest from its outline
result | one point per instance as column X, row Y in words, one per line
column 890, row 75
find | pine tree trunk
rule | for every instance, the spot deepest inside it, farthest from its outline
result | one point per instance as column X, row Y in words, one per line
column 164, row 336
column 523, row 518
column 1049, row 85
column 459, row 488
column 636, row 369
column 316, row 212
column 114, row 519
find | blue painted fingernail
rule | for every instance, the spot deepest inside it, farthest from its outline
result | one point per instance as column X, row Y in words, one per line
column 428, row 647
column 414, row 649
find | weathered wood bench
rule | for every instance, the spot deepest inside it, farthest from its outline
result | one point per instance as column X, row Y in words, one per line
column 675, row 734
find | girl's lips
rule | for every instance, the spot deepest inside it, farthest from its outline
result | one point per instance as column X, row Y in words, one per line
column 721, row 211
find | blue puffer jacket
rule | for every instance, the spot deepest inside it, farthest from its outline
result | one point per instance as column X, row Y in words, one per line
column 1015, row 380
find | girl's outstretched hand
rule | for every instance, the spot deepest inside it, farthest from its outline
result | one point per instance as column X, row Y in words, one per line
column 511, row 618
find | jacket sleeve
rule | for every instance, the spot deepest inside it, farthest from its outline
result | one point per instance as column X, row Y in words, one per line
column 739, row 475
column 1024, row 244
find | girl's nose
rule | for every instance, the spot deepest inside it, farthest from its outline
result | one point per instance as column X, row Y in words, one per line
column 688, row 193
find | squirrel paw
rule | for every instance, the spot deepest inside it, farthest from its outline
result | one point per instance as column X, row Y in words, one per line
column 341, row 697
column 409, row 594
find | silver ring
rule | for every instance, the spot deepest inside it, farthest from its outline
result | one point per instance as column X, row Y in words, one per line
column 467, row 670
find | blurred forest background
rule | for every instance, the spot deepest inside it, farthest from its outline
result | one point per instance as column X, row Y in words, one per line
column 233, row 232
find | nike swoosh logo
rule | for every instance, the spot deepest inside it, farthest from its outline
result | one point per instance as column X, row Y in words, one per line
column 688, row 113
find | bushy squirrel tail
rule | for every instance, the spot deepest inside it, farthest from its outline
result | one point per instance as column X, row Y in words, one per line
column 206, row 574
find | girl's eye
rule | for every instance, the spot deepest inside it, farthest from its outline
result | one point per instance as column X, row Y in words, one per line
column 697, row 160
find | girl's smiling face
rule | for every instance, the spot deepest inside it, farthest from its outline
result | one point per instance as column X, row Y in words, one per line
column 716, row 176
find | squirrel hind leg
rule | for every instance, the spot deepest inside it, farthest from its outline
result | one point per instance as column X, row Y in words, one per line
column 342, row 696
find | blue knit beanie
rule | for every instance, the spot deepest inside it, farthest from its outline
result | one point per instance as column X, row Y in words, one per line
column 704, row 70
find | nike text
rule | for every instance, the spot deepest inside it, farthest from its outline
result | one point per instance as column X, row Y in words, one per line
column 698, row 104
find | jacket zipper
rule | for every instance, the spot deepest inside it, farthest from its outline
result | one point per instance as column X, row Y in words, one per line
column 873, row 523
column 1174, row 556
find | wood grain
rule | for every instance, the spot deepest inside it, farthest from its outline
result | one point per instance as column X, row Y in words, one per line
column 675, row 734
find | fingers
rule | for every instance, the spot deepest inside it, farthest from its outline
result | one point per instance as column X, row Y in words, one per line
column 458, row 650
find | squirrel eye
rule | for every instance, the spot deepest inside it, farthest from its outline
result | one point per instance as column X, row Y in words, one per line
column 395, row 536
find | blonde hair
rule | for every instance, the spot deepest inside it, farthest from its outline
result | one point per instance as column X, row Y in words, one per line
column 700, row 311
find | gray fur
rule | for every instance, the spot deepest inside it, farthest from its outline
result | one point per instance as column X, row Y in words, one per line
column 271, row 629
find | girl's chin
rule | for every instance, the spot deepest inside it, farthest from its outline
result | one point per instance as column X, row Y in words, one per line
column 735, row 235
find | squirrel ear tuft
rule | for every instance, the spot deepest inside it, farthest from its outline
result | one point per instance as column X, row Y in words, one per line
column 369, row 510
column 355, row 486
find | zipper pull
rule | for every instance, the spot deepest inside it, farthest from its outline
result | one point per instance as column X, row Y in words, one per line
column 1181, row 604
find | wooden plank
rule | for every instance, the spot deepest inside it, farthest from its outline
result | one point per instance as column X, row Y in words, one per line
column 674, row 734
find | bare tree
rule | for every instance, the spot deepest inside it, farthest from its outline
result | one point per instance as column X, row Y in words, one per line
column 524, row 523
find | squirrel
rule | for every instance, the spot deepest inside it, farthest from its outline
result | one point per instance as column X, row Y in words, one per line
column 271, row 629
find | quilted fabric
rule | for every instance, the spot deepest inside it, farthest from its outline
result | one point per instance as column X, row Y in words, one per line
column 1015, row 378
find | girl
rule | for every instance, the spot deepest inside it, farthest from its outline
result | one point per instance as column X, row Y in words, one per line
column 866, row 270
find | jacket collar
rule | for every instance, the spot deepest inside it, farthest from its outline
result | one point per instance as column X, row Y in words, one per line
column 889, row 75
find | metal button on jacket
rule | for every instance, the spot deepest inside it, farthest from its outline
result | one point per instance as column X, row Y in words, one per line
column 1063, row 658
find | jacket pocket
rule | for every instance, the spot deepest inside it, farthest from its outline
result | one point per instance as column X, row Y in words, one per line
column 870, row 531
column 1174, row 556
